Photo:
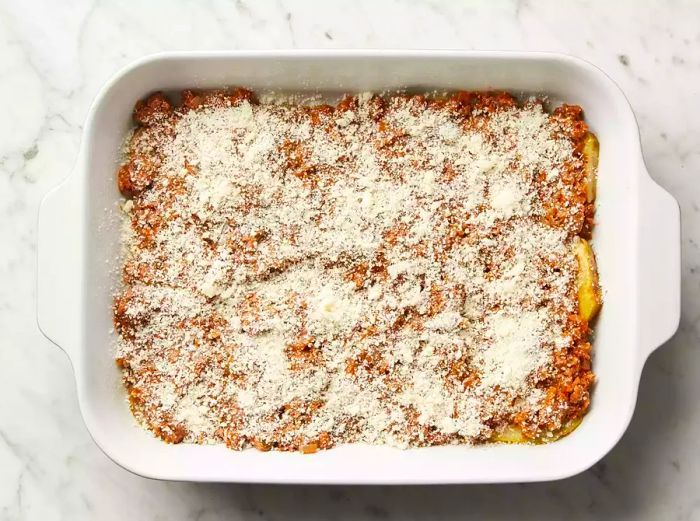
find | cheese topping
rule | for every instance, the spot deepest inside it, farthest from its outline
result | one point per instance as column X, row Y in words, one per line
column 390, row 271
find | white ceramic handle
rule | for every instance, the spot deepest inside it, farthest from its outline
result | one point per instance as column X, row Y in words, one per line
column 659, row 284
column 59, row 286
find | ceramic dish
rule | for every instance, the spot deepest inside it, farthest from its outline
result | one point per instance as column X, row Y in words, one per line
column 636, row 238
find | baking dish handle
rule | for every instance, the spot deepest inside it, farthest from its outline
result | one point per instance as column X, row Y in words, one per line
column 659, row 255
column 60, row 243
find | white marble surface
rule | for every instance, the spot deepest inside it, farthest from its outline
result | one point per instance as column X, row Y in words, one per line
column 53, row 58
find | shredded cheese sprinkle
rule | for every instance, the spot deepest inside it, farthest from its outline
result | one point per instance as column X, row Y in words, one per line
column 392, row 270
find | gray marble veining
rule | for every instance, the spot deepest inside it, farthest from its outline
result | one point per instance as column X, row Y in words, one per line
column 53, row 59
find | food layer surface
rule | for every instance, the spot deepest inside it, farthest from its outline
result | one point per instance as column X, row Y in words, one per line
column 395, row 269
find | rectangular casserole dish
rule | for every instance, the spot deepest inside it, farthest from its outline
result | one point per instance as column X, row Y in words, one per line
column 637, row 243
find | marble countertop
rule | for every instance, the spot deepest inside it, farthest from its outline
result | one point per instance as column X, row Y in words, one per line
column 54, row 56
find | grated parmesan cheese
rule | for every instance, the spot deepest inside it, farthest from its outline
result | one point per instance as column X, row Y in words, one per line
column 383, row 274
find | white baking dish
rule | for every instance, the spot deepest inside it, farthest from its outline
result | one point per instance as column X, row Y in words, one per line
column 637, row 241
